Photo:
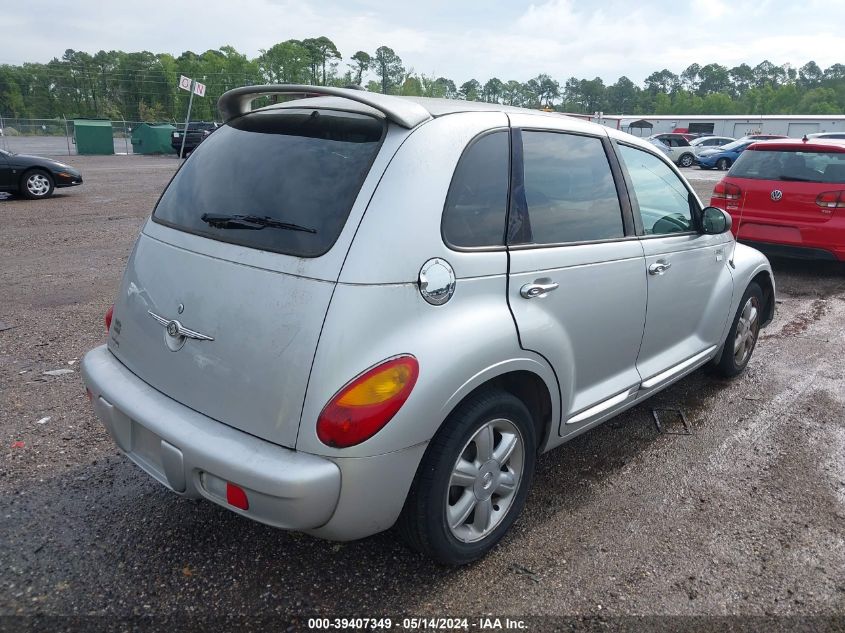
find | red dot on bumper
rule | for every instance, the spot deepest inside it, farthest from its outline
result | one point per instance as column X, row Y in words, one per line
column 235, row 496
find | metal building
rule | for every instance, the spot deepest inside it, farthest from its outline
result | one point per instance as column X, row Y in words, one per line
column 735, row 125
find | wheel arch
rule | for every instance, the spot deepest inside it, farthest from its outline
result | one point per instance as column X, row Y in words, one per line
column 766, row 283
column 532, row 387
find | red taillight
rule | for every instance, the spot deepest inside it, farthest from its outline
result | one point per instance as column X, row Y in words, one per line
column 727, row 191
column 109, row 316
column 235, row 496
column 831, row 200
column 365, row 405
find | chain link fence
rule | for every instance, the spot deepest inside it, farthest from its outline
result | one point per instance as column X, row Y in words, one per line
column 55, row 137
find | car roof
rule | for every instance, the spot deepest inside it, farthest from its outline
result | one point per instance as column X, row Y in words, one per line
column 407, row 112
column 396, row 108
column 433, row 106
column 797, row 144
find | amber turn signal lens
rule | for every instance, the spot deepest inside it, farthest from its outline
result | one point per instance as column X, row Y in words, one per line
column 365, row 405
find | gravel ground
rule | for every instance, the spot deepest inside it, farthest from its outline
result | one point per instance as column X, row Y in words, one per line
column 744, row 517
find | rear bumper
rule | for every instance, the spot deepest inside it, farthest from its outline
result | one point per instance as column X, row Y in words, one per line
column 794, row 252
column 184, row 450
column 824, row 240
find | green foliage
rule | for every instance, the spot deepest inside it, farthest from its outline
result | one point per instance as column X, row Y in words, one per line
column 389, row 69
column 143, row 85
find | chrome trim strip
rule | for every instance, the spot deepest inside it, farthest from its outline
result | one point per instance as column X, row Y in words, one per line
column 181, row 330
column 666, row 375
column 603, row 406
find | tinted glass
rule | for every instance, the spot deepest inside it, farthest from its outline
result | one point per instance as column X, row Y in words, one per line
column 664, row 202
column 798, row 166
column 476, row 206
column 301, row 167
column 569, row 189
column 736, row 145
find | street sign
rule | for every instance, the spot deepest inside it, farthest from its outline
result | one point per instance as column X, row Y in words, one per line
column 199, row 89
column 185, row 83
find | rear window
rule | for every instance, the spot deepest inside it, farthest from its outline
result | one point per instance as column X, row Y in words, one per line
column 828, row 167
column 282, row 181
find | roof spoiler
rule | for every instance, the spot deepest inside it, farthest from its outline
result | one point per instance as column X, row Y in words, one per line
column 403, row 112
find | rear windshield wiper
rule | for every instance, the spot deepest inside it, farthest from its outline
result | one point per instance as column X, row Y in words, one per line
column 797, row 179
column 250, row 222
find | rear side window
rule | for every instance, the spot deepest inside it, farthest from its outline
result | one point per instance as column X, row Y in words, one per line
column 569, row 189
column 665, row 204
column 821, row 167
column 477, row 202
column 276, row 180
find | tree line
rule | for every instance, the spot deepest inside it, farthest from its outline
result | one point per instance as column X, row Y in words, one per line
column 143, row 85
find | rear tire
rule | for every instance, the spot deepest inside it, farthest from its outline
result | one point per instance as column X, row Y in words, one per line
column 742, row 337
column 686, row 160
column 473, row 479
column 37, row 184
column 723, row 164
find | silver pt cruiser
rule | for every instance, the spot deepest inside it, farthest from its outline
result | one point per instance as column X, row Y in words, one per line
column 353, row 310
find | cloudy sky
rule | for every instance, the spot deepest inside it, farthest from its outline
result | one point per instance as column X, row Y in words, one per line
column 460, row 39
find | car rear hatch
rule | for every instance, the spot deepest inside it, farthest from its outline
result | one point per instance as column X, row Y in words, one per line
column 785, row 186
column 224, row 296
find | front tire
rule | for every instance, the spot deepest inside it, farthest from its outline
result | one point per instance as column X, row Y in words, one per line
column 742, row 337
column 473, row 479
column 37, row 184
column 723, row 164
column 686, row 160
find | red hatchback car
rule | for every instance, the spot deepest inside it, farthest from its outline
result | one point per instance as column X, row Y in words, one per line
column 787, row 197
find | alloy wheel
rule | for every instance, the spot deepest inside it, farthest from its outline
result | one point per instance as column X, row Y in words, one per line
column 747, row 329
column 485, row 480
column 38, row 185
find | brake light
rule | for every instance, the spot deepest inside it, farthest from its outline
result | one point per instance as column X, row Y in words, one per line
column 108, row 319
column 365, row 405
column 831, row 200
column 727, row 191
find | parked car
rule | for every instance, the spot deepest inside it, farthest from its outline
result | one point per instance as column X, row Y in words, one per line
column 661, row 146
column 197, row 132
column 761, row 137
column 679, row 148
column 722, row 157
column 332, row 322
column 34, row 177
column 789, row 196
column 826, row 135
column 709, row 142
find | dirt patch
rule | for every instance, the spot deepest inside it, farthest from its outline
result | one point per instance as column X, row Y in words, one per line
column 801, row 321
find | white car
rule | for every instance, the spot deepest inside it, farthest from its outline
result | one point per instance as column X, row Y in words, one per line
column 704, row 142
column 680, row 151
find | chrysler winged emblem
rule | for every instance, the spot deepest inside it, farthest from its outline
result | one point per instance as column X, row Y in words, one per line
column 177, row 330
column 777, row 194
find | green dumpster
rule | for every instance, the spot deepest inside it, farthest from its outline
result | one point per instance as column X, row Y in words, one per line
column 152, row 139
column 93, row 136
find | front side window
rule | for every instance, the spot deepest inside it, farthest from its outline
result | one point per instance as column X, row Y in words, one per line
column 569, row 189
column 665, row 204
column 280, row 180
column 477, row 203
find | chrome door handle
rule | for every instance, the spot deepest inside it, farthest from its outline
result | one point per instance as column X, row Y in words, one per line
column 539, row 288
column 659, row 267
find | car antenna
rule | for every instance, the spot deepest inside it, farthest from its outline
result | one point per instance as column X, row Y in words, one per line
column 738, row 226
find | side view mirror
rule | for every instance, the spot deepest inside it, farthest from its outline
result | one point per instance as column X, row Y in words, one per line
column 715, row 221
